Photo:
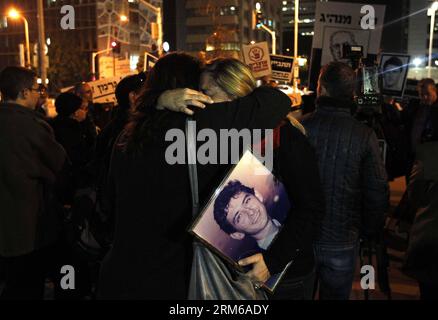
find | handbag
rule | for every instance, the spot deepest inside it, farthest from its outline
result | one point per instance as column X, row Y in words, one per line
column 211, row 278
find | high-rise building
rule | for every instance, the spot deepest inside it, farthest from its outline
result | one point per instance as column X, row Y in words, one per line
column 394, row 34
column 131, row 23
column 306, row 23
column 223, row 25
column 419, row 28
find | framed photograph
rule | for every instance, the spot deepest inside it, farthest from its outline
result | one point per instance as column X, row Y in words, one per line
column 245, row 214
column 394, row 70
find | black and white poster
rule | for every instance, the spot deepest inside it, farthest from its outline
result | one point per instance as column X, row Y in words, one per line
column 394, row 70
column 282, row 67
column 338, row 24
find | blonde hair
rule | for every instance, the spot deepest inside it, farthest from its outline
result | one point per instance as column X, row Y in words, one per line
column 232, row 76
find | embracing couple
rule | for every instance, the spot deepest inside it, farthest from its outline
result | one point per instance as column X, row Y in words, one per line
column 152, row 251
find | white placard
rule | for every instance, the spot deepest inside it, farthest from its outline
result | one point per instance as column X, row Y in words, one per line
column 339, row 23
column 257, row 57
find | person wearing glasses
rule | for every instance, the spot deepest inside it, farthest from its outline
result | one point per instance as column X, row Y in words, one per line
column 30, row 162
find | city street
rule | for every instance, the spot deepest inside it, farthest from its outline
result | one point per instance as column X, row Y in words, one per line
column 118, row 118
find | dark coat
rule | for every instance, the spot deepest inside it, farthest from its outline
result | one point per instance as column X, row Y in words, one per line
column 421, row 260
column 352, row 172
column 31, row 158
column 423, row 128
column 78, row 139
column 151, row 254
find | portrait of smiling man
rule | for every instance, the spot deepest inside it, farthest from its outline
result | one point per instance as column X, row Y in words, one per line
column 239, row 212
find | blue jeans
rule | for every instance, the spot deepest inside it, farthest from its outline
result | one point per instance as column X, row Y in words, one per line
column 335, row 267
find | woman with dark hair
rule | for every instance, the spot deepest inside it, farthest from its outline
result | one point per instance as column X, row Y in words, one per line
column 151, row 253
column 127, row 92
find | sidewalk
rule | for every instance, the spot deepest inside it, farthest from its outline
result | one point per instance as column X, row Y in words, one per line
column 402, row 287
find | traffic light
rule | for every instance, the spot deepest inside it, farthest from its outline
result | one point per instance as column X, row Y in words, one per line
column 116, row 46
column 257, row 19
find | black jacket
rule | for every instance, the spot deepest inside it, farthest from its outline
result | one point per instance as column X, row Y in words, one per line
column 78, row 139
column 352, row 172
column 29, row 164
column 421, row 260
column 151, row 254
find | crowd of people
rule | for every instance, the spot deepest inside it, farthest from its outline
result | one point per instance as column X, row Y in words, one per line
column 100, row 196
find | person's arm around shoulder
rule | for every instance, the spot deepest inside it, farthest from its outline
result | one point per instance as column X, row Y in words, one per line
column 265, row 107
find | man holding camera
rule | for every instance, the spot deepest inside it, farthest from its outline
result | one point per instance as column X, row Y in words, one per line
column 353, row 177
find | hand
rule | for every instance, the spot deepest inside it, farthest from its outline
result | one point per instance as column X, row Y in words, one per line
column 178, row 100
column 259, row 272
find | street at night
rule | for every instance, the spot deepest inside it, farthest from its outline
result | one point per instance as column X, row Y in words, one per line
column 219, row 150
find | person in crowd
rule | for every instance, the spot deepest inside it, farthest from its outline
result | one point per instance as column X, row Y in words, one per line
column 98, row 114
column 419, row 126
column 29, row 165
column 76, row 135
column 42, row 102
column 416, row 115
column 353, row 178
column 84, row 91
column 126, row 92
column 156, row 264
column 421, row 259
column 422, row 126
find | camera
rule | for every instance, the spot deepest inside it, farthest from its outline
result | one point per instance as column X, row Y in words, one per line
column 368, row 98
column 352, row 52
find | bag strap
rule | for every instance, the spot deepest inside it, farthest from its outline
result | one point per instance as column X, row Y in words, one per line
column 191, row 160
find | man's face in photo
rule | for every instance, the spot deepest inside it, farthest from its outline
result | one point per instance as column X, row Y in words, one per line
column 391, row 75
column 340, row 39
column 247, row 214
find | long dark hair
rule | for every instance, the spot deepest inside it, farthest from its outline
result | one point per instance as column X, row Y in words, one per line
column 173, row 71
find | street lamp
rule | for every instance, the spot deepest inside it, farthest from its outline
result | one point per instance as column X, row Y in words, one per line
column 258, row 23
column 295, row 65
column 14, row 14
column 431, row 12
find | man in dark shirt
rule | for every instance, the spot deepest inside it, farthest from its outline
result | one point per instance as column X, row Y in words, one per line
column 30, row 162
column 353, row 178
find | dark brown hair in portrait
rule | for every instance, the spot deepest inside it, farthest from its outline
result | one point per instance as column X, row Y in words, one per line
column 173, row 71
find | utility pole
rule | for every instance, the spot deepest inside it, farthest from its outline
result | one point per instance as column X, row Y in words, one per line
column 296, row 67
column 41, row 42
column 158, row 12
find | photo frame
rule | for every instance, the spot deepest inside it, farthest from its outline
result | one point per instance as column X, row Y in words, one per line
column 245, row 214
column 394, row 69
